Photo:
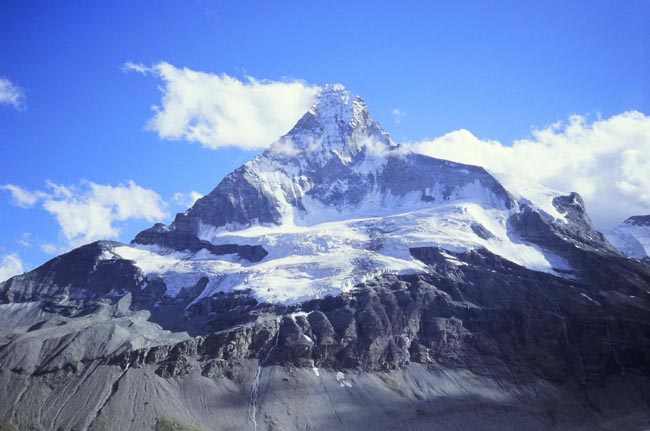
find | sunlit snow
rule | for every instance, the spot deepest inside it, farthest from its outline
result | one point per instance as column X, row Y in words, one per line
column 327, row 258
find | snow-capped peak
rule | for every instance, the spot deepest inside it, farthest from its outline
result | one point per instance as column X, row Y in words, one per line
column 334, row 201
column 337, row 105
column 632, row 237
column 337, row 125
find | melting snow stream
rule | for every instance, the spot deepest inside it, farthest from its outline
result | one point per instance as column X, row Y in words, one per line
column 256, row 383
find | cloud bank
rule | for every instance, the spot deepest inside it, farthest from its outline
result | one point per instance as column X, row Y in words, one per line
column 10, row 265
column 186, row 200
column 11, row 94
column 90, row 211
column 607, row 161
column 217, row 110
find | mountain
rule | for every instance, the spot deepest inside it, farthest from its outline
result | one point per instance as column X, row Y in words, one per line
column 337, row 281
column 632, row 237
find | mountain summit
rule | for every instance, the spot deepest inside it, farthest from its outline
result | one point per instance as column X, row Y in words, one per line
column 338, row 124
column 383, row 289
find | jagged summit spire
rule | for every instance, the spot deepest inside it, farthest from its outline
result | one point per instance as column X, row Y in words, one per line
column 338, row 104
column 335, row 104
column 338, row 122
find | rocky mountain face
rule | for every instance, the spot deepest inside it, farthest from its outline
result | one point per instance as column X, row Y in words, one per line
column 338, row 281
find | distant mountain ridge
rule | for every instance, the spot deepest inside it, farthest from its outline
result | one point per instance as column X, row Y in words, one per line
column 632, row 237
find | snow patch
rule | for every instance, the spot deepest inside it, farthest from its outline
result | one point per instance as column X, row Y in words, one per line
column 590, row 299
column 537, row 196
column 343, row 382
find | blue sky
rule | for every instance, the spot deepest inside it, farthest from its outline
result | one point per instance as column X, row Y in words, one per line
column 498, row 69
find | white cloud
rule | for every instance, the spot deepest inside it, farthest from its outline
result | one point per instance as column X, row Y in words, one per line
column 607, row 161
column 186, row 200
column 135, row 67
column 26, row 240
column 220, row 111
column 89, row 212
column 286, row 147
column 9, row 266
column 20, row 196
column 398, row 115
column 52, row 249
column 11, row 94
